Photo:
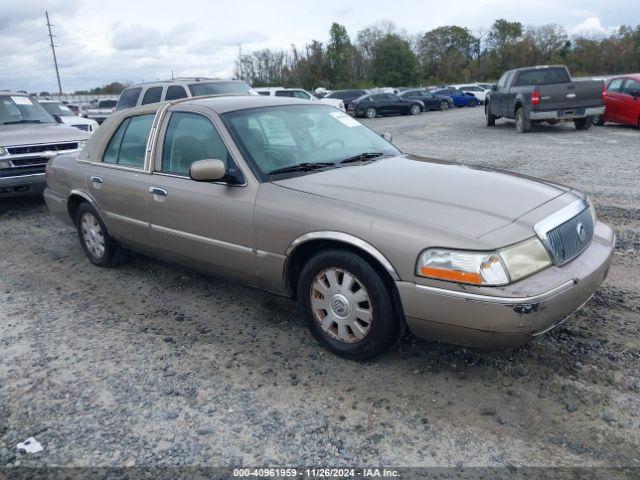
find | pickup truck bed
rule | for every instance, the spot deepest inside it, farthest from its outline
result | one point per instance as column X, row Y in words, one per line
column 548, row 94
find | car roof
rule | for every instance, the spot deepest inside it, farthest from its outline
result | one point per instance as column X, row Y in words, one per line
column 223, row 103
column 183, row 80
column 15, row 94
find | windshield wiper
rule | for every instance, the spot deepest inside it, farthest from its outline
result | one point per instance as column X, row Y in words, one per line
column 22, row 121
column 362, row 156
column 301, row 167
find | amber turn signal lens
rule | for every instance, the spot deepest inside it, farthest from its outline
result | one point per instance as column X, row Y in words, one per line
column 451, row 275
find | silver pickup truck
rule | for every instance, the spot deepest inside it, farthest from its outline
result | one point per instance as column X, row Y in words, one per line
column 29, row 138
column 544, row 94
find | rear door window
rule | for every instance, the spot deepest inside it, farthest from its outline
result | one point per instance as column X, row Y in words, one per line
column 174, row 92
column 285, row 93
column 129, row 98
column 152, row 95
column 128, row 144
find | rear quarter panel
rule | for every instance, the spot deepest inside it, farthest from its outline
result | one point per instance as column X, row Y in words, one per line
column 64, row 175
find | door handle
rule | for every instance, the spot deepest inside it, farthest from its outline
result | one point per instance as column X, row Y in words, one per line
column 158, row 191
column 96, row 180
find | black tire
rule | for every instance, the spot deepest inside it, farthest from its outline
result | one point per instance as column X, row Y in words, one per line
column 491, row 118
column 598, row 120
column 473, row 103
column 370, row 112
column 582, row 123
column 112, row 254
column 523, row 124
column 444, row 105
column 415, row 109
column 385, row 325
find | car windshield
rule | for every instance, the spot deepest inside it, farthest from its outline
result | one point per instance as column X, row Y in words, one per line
column 276, row 138
column 218, row 88
column 55, row 108
column 22, row 109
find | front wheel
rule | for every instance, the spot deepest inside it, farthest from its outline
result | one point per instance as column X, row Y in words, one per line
column 473, row 102
column 444, row 105
column 98, row 245
column 415, row 109
column 371, row 112
column 347, row 305
column 582, row 123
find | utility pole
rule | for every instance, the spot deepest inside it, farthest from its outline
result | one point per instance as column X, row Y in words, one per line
column 53, row 49
column 240, row 61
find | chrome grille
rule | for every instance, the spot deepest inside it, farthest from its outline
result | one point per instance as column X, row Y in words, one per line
column 569, row 239
column 55, row 147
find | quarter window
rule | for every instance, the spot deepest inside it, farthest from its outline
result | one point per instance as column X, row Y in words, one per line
column 191, row 137
column 284, row 93
column 631, row 86
column 152, row 95
column 174, row 92
column 128, row 145
column 129, row 98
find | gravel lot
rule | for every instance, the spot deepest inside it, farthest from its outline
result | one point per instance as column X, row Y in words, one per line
column 151, row 364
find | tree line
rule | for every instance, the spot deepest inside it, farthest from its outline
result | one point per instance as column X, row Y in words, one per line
column 383, row 55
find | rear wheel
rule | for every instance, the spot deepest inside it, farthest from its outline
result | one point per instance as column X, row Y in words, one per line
column 347, row 305
column 98, row 245
column 473, row 102
column 598, row 120
column 444, row 105
column 582, row 123
column 371, row 112
column 491, row 118
column 523, row 125
column 415, row 109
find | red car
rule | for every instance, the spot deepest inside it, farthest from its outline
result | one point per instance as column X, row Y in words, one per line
column 622, row 101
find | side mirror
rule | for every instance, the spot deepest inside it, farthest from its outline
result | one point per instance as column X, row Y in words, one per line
column 494, row 88
column 387, row 137
column 208, row 170
column 635, row 94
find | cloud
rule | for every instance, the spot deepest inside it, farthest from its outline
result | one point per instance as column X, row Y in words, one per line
column 592, row 27
column 140, row 37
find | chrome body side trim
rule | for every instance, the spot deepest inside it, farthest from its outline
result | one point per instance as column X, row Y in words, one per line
column 122, row 218
column 501, row 300
column 346, row 238
column 199, row 238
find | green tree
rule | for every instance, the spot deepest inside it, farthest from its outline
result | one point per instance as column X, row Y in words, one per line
column 446, row 54
column 340, row 57
column 394, row 63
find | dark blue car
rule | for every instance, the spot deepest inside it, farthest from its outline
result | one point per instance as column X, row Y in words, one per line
column 460, row 98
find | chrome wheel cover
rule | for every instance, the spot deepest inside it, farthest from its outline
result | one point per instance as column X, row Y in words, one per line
column 371, row 112
column 92, row 235
column 444, row 105
column 341, row 305
column 415, row 110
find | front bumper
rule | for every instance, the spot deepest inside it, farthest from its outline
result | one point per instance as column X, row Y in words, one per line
column 566, row 114
column 523, row 310
column 18, row 185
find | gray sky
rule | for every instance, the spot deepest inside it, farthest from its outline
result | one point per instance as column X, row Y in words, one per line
column 103, row 41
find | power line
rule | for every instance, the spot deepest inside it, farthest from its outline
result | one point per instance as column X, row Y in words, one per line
column 53, row 49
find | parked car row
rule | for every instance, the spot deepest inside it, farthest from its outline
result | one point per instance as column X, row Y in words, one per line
column 622, row 101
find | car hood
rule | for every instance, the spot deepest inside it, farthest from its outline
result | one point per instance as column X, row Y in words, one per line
column 35, row 133
column 471, row 201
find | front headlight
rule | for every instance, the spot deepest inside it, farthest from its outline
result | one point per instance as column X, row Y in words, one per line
column 525, row 258
column 476, row 268
column 3, row 151
column 496, row 268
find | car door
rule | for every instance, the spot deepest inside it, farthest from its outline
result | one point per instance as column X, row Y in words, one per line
column 118, row 182
column 205, row 225
column 496, row 95
column 429, row 100
column 507, row 95
column 629, row 110
column 395, row 103
column 613, row 100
